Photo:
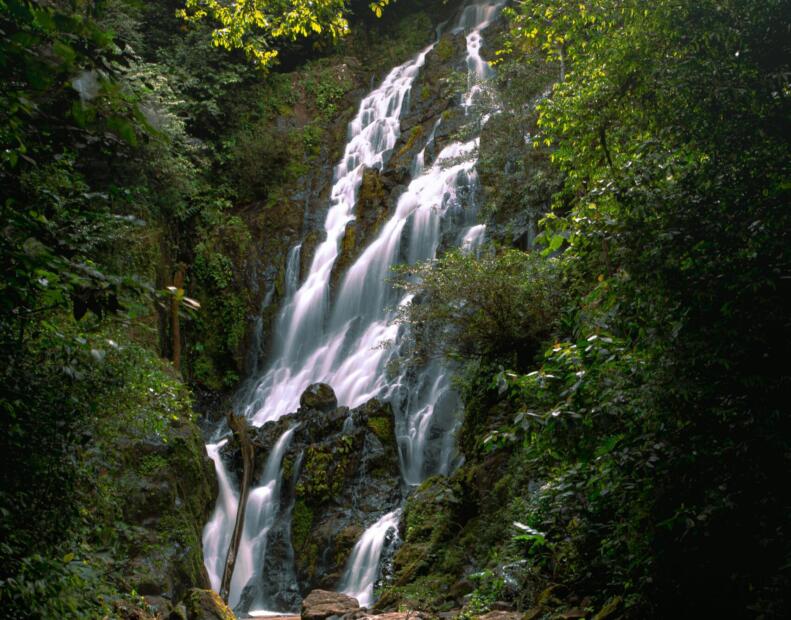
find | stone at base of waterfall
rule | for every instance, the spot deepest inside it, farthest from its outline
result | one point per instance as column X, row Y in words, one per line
column 206, row 605
column 321, row 604
column 501, row 615
column 319, row 396
column 397, row 615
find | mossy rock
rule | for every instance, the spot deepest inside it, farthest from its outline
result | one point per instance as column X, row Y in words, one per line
column 415, row 134
column 319, row 397
column 382, row 427
column 325, row 469
column 301, row 525
column 344, row 543
column 445, row 48
column 206, row 605
column 371, row 213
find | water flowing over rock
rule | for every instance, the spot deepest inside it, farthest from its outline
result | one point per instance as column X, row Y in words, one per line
column 361, row 575
column 336, row 470
column 405, row 189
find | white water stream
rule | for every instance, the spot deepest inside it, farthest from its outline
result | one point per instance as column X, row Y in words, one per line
column 341, row 343
column 261, row 512
column 363, row 568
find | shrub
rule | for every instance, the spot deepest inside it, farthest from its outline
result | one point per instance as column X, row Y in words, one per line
column 500, row 306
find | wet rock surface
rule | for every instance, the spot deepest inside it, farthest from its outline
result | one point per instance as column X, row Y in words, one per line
column 340, row 474
column 319, row 397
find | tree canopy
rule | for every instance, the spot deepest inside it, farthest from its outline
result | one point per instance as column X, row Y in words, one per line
column 258, row 26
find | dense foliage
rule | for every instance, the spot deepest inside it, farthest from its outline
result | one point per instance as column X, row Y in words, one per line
column 257, row 26
column 657, row 418
column 501, row 307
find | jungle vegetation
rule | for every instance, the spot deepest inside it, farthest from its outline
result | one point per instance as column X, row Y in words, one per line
column 634, row 360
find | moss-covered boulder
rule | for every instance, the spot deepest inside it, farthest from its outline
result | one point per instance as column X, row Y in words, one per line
column 206, row 605
column 319, row 397
column 169, row 490
column 346, row 479
column 154, row 485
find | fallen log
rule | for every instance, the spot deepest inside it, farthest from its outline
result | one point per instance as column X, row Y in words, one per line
column 239, row 426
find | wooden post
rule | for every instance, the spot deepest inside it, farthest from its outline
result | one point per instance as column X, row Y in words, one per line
column 239, row 427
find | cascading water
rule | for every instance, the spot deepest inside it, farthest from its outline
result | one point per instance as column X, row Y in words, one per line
column 362, row 570
column 218, row 531
column 260, row 515
column 342, row 344
column 307, row 352
column 292, row 270
column 427, row 404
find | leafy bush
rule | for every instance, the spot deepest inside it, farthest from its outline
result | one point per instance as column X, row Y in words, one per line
column 499, row 306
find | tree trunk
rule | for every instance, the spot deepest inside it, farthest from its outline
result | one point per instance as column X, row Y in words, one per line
column 239, row 427
column 175, row 327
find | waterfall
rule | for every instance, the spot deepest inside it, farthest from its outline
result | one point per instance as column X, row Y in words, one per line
column 340, row 343
column 292, row 270
column 262, row 509
column 306, row 353
column 361, row 573
column 261, row 513
column 218, row 531
column 425, row 406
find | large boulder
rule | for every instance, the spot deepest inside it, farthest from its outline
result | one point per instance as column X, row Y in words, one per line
column 348, row 472
column 321, row 604
column 206, row 605
column 501, row 615
column 166, row 487
column 320, row 397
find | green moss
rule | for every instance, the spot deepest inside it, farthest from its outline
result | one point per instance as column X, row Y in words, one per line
column 428, row 592
column 348, row 245
column 431, row 559
column 344, row 543
column 301, row 524
column 151, row 464
column 313, row 136
column 382, row 428
column 324, row 471
column 288, row 467
column 414, row 136
column 325, row 85
column 207, row 604
column 444, row 48
column 148, row 488
column 309, row 558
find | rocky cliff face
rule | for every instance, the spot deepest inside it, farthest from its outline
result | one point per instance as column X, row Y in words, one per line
column 340, row 474
column 169, row 489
